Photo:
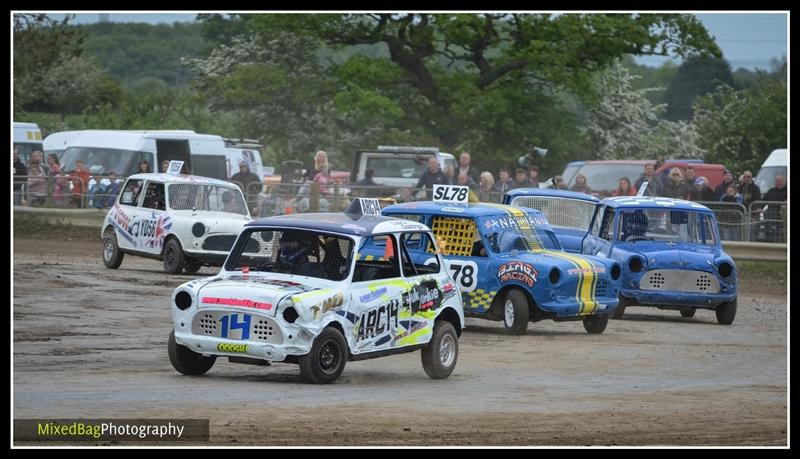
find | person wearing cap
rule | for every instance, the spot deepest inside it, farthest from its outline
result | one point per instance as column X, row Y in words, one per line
column 700, row 191
column 250, row 184
column 727, row 180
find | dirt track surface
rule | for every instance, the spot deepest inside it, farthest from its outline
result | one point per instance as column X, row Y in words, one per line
column 90, row 342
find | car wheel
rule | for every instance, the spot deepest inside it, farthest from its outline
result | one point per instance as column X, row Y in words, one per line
column 726, row 312
column 187, row 361
column 595, row 324
column 174, row 259
column 620, row 309
column 326, row 360
column 112, row 255
column 439, row 357
column 688, row 312
column 192, row 267
column 516, row 312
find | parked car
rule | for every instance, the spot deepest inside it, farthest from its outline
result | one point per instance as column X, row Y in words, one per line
column 186, row 221
column 296, row 289
column 509, row 265
column 669, row 250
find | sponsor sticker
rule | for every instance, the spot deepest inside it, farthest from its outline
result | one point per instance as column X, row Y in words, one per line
column 232, row 347
column 518, row 271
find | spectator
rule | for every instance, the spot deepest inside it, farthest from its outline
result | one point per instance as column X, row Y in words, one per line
column 465, row 180
column 522, row 179
column 773, row 211
column 97, row 192
column 464, row 167
column 700, row 191
column 144, row 167
column 250, row 184
column 750, row 191
column 690, row 177
column 533, row 176
column 20, row 170
column 60, row 183
column 367, row 181
column 505, row 183
column 675, row 186
column 451, row 173
column 654, row 185
column 37, row 183
column 38, row 157
column 625, row 188
column 229, row 204
column 80, row 183
column 432, row 176
column 727, row 180
column 320, row 165
column 659, row 161
column 164, row 166
column 113, row 189
column 486, row 187
column 580, row 184
column 558, row 183
column 730, row 225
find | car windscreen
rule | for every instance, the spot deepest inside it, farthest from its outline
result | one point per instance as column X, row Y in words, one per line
column 603, row 178
column 560, row 212
column 522, row 233
column 207, row 197
column 666, row 225
column 292, row 251
column 102, row 161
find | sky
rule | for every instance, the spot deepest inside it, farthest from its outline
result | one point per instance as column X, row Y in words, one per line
column 748, row 39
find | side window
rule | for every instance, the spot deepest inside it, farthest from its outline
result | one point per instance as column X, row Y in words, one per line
column 415, row 256
column 607, row 225
column 455, row 235
column 130, row 193
column 596, row 224
column 377, row 259
column 709, row 225
column 154, row 197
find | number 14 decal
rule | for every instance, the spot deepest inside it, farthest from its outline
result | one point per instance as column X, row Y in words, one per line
column 231, row 322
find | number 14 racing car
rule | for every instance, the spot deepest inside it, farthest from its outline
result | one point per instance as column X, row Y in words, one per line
column 296, row 289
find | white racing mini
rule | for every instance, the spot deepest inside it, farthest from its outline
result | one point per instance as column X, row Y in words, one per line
column 185, row 220
column 300, row 289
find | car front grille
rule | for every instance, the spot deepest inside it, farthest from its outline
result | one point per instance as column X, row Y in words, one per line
column 219, row 243
column 209, row 323
column 601, row 288
column 680, row 281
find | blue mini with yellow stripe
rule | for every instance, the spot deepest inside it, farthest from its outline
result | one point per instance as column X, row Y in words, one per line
column 509, row 265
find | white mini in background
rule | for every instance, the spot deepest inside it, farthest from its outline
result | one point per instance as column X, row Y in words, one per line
column 185, row 220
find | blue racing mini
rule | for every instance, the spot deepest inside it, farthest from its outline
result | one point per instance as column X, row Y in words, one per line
column 669, row 250
column 509, row 265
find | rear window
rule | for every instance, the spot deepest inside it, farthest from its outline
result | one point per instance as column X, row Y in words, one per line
column 398, row 167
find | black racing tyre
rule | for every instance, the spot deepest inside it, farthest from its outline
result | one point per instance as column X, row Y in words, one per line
column 187, row 361
column 112, row 255
column 688, row 312
column 439, row 357
column 326, row 360
column 726, row 312
column 192, row 267
column 174, row 259
column 595, row 324
column 619, row 311
column 516, row 312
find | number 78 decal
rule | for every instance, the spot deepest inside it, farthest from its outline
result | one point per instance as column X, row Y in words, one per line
column 464, row 273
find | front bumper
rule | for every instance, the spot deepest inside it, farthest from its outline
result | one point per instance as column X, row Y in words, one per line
column 571, row 308
column 676, row 298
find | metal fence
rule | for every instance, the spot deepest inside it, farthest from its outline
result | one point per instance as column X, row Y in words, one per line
column 761, row 221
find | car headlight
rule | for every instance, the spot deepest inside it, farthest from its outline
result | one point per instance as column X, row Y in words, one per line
column 725, row 269
column 555, row 276
column 198, row 229
column 183, row 300
column 616, row 271
column 635, row 264
column 289, row 312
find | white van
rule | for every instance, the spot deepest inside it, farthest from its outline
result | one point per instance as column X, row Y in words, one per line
column 244, row 149
column 776, row 164
column 27, row 138
column 398, row 166
column 104, row 151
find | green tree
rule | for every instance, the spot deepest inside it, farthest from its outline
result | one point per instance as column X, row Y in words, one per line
column 696, row 76
column 740, row 128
